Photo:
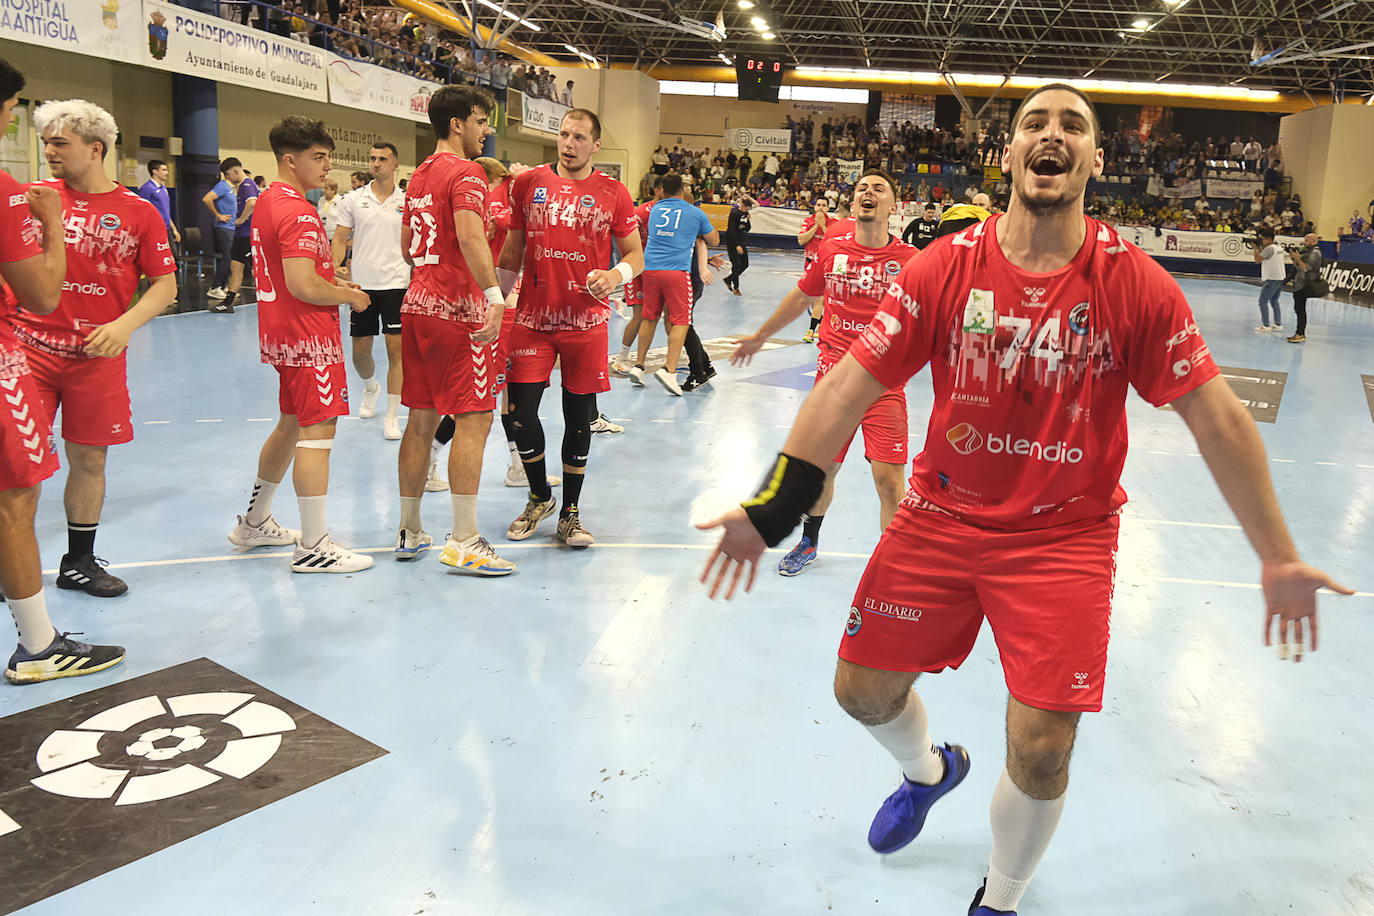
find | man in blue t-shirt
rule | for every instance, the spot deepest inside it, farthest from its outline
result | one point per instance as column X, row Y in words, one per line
column 672, row 233
column 245, row 198
column 223, row 204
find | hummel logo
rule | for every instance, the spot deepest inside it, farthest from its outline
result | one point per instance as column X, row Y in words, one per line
column 1080, row 681
column 9, row 384
column 15, row 398
column 22, row 413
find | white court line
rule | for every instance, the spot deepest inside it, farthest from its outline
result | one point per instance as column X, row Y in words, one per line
column 1165, row 521
column 260, row 419
column 156, row 422
column 1327, row 464
column 1284, row 461
column 1367, row 467
column 209, row 421
column 665, row 421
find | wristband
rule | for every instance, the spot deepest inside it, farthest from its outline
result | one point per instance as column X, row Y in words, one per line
column 626, row 272
column 494, row 296
column 788, row 490
column 507, row 279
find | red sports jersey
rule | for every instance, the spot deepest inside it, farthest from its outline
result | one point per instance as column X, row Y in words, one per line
column 292, row 332
column 1031, row 371
column 813, row 247
column 20, row 237
column 838, row 227
column 568, row 227
column 498, row 209
column 854, row 280
column 441, row 285
column 642, row 217
column 112, row 239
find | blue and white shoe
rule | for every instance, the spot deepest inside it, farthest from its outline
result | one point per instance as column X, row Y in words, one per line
column 410, row 544
column 975, row 909
column 62, row 658
column 903, row 815
column 798, row 558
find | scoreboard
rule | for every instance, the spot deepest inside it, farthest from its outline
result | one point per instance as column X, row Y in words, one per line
column 759, row 77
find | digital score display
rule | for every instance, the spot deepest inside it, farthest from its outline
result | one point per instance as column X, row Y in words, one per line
column 759, row 78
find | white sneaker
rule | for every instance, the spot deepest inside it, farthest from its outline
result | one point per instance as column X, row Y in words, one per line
column 434, row 483
column 327, row 557
column 636, row 375
column 268, row 534
column 601, row 425
column 475, row 556
column 216, row 292
column 391, row 427
column 668, row 381
column 571, row 532
column 619, row 369
column 516, row 477
column 1276, row 327
column 368, row 408
column 1263, row 327
column 410, row 544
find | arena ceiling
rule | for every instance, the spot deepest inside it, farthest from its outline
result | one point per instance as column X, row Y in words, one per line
column 1321, row 47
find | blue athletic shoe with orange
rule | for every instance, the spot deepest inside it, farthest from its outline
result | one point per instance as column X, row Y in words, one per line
column 903, row 815
column 975, row 909
column 798, row 558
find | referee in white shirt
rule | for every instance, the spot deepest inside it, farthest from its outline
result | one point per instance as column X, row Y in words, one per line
column 371, row 218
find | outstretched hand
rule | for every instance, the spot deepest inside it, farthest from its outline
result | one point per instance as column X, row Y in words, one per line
column 740, row 547
column 1290, row 597
column 745, row 348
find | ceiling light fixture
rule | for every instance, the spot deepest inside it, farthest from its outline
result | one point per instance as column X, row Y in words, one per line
column 509, row 15
column 746, row 4
column 759, row 22
column 1142, row 23
column 768, row 36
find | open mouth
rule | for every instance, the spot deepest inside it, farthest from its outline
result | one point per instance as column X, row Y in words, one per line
column 1048, row 165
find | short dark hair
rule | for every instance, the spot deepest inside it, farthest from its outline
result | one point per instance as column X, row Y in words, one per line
column 1266, row 233
column 672, row 184
column 11, row 81
column 456, row 102
column 1065, row 87
column 586, row 114
column 362, row 176
column 383, row 144
column 154, row 165
column 658, row 182
column 226, row 164
column 296, row 134
column 891, row 182
column 930, row 206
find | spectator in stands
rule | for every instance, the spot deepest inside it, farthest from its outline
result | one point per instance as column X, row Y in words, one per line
column 567, row 95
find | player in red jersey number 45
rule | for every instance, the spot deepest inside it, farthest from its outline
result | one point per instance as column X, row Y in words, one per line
column 1035, row 324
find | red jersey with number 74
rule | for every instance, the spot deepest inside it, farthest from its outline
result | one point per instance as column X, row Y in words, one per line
column 1031, row 371
column 441, row 285
column 292, row 332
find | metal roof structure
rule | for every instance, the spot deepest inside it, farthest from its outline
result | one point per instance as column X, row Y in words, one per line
column 1319, row 47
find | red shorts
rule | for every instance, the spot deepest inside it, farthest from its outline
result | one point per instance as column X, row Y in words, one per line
column 582, row 358
column 26, row 455
column 634, row 293
column 445, row 370
column 670, row 289
column 1047, row 594
column 313, row 394
column 93, row 395
column 884, row 424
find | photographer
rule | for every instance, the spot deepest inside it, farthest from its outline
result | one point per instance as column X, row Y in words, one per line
column 1307, row 282
column 1270, row 258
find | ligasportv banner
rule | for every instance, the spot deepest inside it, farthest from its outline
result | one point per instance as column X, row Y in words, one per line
column 195, row 44
column 112, row 29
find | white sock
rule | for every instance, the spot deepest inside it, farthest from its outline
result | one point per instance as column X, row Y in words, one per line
column 410, row 513
column 515, row 461
column 31, row 620
column 464, row 516
column 370, row 382
column 907, row 738
column 260, row 503
column 624, row 354
column 393, row 404
column 313, row 526
column 1021, row 830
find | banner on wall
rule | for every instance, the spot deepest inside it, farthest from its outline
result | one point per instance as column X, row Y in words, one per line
column 542, row 115
column 97, row 28
column 758, row 139
column 1206, row 246
column 1233, row 187
column 1350, row 278
column 196, row 44
column 371, row 88
column 847, row 171
column 1186, row 189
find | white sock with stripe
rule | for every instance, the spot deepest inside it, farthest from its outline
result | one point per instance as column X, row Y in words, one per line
column 36, row 631
column 907, row 738
column 260, row 503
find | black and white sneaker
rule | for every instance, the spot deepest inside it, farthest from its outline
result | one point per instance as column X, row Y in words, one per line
column 327, row 557
column 62, row 658
column 87, row 574
column 696, row 381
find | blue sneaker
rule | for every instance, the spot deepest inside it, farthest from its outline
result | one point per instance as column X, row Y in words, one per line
column 62, row 658
column 798, row 558
column 903, row 815
column 975, row 910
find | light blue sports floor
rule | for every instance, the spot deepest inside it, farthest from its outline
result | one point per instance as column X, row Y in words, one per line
column 594, row 736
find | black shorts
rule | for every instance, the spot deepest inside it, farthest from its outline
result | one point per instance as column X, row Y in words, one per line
column 384, row 314
column 242, row 250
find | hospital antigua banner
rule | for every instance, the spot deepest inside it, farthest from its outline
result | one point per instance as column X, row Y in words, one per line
column 112, row 29
column 368, row 87
column 195, row 44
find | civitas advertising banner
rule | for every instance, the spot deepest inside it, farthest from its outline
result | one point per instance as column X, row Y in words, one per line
column 112, row 29
column 195, row 44
column 368, row 87
column 758, row 139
